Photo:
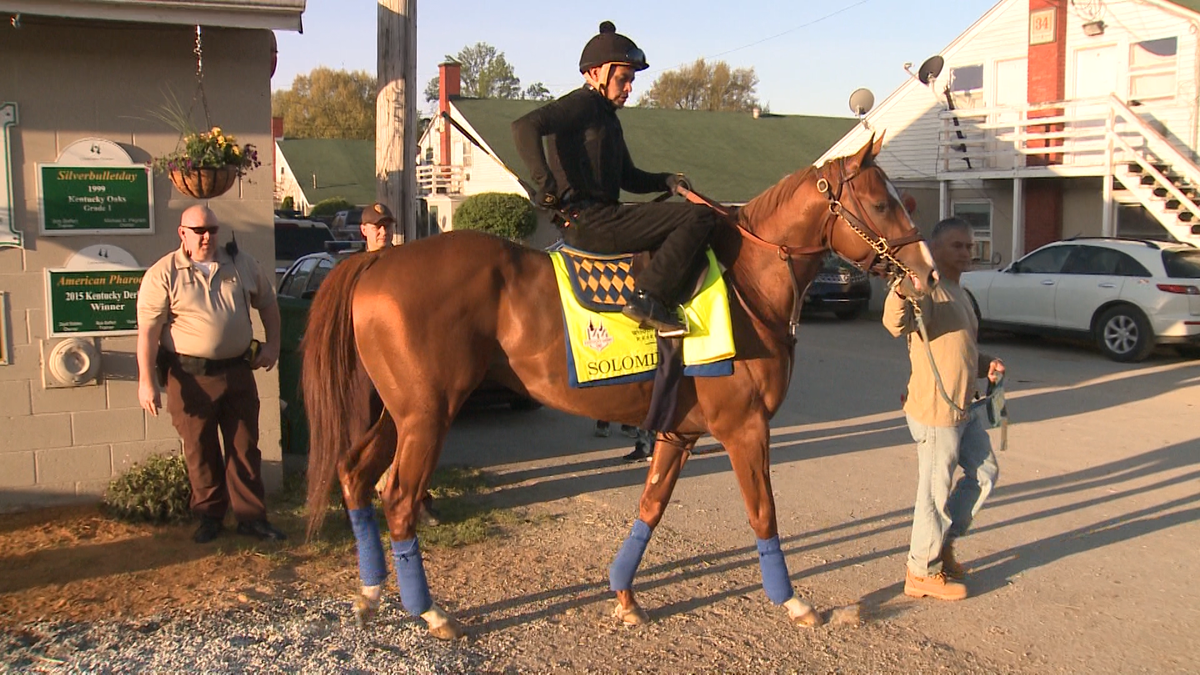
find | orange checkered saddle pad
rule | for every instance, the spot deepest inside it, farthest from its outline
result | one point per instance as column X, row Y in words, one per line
column 601, row 283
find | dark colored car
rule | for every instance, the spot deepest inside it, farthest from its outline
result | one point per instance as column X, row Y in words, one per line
column 839, row 287
column 296, row 238
column 296, row 290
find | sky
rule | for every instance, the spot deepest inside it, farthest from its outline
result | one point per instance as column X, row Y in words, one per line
column 809, row 56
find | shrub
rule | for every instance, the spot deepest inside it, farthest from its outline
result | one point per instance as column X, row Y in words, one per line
column 156, row 490
column 502, row 214
column 329, row 207
column 288, row 204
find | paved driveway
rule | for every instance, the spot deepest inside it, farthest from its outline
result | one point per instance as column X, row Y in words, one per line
column 1084, row 559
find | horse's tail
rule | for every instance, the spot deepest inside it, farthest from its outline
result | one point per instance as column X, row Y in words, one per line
column 330, row 381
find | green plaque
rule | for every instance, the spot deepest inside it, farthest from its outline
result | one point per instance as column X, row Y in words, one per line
column 92, row 302
column 95, row 199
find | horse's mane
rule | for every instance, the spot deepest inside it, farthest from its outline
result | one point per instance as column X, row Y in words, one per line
column 772, row 198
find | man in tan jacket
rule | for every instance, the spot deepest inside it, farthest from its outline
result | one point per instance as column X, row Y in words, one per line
column 947, row 433
column 195, row 333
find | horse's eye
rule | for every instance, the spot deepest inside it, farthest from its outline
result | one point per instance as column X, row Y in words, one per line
column 881, row 207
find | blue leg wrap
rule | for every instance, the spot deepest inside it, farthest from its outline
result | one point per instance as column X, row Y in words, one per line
column 410, row 575
column 774, row 570
column 620, row 573
column 372, row 567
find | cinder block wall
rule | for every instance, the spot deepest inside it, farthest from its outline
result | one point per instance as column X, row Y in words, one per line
column 80, row 79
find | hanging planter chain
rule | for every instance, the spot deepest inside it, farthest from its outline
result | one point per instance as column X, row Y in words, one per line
column 198, row 50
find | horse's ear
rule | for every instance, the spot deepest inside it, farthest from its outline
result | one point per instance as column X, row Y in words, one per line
column 861, row 159
column 877, row 146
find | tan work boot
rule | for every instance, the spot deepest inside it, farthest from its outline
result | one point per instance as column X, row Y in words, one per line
column 950, row 566
column 935, row 586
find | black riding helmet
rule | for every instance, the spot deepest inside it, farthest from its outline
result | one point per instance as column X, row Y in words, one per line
column 611, row 47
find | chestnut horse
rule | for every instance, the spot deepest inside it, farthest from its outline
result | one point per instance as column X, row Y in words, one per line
column 428, row 321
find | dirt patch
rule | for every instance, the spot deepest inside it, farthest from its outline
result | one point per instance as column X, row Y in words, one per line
column 534, row 598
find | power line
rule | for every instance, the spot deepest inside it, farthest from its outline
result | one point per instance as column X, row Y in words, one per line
column 792, row 30
column 830, row 15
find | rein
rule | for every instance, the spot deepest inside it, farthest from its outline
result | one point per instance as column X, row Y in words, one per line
column 880, row 245
column 786, row 253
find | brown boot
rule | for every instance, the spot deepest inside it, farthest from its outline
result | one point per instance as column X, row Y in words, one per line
column 950, row 566
column 935, row 586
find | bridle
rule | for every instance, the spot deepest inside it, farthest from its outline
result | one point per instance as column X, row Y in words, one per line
column 881, row 247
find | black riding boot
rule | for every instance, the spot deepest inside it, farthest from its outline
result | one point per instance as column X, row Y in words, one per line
column 651, row 313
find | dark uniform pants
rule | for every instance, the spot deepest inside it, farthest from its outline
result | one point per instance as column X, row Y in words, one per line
column 678, row 233
column 224, row 402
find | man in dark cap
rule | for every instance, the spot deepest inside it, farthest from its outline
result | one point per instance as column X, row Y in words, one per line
column 589, row 165
column 376, row 226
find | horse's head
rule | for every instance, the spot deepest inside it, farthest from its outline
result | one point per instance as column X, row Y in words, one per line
column 871, row 227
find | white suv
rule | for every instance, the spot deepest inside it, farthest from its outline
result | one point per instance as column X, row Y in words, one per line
column 1128, row 295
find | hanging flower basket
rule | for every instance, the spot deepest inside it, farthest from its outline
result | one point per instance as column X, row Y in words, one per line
column 204, row 182
column 206, row 163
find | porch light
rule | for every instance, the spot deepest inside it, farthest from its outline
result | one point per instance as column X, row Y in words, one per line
column 1093, row 28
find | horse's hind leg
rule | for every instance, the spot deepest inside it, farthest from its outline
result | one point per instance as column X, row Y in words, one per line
column 358, row 471
column 417, row 451
column 670, row 454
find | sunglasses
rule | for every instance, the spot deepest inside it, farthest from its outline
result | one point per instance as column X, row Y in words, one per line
column 202, row 230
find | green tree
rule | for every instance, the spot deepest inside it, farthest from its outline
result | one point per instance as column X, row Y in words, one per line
column 485, row 73
column 502, row 214
column 536, row 92
column 328, row 103
column 703, row 86
column 329, row 207
column 288, row 203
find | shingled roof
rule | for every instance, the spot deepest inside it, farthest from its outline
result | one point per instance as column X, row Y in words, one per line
column 343, row 168
column 728, row 156
column 1193, row 5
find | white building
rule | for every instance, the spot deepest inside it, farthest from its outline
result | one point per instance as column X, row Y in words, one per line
column 79, row 83
column 1049, row 119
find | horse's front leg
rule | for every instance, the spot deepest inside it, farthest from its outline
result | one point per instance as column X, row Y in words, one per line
column 750, row 455
column 670, row 454
column 417, row 456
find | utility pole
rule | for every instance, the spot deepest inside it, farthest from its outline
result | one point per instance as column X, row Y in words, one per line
column 396, row 113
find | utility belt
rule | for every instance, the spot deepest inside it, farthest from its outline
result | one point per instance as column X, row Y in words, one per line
column 198, row 365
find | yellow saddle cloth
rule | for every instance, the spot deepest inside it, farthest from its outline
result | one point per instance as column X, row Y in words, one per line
column 607, row 347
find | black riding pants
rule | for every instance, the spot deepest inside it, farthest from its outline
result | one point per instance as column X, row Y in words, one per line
column 677, row 232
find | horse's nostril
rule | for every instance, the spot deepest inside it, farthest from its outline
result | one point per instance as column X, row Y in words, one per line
column 933, row 279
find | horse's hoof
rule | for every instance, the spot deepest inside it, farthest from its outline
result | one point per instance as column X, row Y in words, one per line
column 810, row 619
column 634, row 616
column 441, row 625
column 802, row 614
column 364, row 611
column 450, row 630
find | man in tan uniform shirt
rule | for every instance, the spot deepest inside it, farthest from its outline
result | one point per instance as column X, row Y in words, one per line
column 194, row 305
column 947, row 436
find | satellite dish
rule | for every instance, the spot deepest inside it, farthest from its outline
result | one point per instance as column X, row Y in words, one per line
column 861, row 101
column 930, row 69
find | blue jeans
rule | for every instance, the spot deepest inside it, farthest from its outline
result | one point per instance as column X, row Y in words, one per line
column 941, row 514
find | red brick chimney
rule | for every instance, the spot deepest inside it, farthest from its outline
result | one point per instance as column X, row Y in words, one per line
column 1047, row 82
column 276, row 135
column 449, row 86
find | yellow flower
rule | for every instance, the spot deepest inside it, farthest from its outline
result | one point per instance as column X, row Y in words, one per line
column 216, row 131
column 237, row 150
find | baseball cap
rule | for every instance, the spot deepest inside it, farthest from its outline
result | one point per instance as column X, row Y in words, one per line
column 376, row 213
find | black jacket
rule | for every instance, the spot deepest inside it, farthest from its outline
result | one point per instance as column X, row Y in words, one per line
column 589, row 161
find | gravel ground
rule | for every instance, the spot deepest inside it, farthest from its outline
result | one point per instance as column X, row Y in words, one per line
column 278, row 636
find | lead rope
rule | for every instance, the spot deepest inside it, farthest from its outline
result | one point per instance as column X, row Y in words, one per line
column 884, row 250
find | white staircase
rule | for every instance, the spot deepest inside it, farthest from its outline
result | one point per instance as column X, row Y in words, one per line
column 1161, row 178
column 1082, row 137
